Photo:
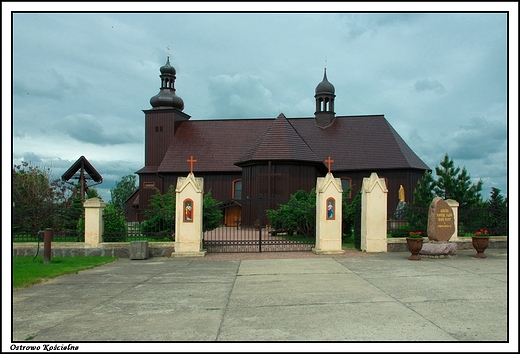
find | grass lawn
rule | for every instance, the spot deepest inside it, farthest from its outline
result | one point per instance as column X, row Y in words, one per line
column 27, row 271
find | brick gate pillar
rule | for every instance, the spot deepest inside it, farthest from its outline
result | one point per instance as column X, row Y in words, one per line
column 328, row 215
column 373, row 214
column 188, row 217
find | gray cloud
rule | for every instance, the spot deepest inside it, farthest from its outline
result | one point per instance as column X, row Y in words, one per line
column 429, row 85
column 479, row 139
column 88, row 129
column 48, row 84
column 430, row 74
column 232, row 96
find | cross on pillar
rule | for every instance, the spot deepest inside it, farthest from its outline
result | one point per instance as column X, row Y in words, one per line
column 329, row 162
column 191, row 161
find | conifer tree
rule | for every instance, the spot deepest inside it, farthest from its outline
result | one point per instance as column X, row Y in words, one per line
column 423, row 194
column 454, row 183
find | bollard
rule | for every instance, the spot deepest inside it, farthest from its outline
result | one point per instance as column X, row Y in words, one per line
column 47, row 239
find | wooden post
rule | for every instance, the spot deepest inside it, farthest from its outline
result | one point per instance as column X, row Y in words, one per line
column 47, row 251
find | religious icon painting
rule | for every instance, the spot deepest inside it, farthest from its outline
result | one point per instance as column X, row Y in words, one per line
column 188, row 210
column 331, row 207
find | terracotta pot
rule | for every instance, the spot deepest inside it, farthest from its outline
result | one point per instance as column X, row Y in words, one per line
column 480, row 243
column 414, row 246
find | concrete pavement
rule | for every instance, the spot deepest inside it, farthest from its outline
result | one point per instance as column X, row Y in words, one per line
column 381, row 297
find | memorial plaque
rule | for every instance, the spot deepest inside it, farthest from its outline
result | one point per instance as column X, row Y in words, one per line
column 441, row 223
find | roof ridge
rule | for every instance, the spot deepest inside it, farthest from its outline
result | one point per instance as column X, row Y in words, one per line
column 280, row 141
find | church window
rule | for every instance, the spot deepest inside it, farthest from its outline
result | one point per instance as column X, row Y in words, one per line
column 346, row 183
column 149, row 185
column 158, row 128
column 237, row 189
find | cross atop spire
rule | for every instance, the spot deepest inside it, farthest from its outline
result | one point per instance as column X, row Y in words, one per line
column 191, row 161
column 328, row 161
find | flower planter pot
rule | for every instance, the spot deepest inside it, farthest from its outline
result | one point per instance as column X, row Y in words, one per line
column 480, row 243
column 414, row 246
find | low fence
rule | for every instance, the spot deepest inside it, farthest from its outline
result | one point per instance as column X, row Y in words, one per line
column 469, row 221
column 109, row 249
column 158, row 228
column 463, row 243
column 139, row 225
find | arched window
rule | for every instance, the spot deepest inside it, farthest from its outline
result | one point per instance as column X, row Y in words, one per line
column 346, row 183
column 237, row 189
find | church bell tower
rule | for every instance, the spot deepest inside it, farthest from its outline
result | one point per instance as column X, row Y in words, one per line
column 165, row 117
column 324, row 102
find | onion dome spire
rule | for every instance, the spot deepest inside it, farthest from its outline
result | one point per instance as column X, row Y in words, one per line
column 325, row 86
column 166, row 98
column 324, row 95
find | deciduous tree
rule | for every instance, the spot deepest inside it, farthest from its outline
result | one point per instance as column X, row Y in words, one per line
column 123, row 190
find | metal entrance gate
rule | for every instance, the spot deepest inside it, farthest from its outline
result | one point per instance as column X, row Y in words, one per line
column 250, row 230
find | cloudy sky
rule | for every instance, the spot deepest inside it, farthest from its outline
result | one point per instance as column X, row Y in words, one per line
column 80, row 81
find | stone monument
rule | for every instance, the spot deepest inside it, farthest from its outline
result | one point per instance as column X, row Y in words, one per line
column 329, row 213
column 441, row 227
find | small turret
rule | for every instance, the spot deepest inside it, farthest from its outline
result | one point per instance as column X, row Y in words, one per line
column 166, row 98
column 324, row 95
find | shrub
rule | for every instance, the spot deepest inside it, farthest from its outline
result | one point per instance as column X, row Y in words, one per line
column 115, row 224
column 298, row 215
column 212, row 215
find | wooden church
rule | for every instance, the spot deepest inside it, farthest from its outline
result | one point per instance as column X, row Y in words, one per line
column 242, row 159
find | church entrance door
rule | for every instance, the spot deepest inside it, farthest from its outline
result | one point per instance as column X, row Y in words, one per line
column 245, row 228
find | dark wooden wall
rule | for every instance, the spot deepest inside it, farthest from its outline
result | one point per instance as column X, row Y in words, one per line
column 288, row 180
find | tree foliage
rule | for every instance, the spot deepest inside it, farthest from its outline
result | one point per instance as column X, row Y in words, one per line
column 33, row 187
column 115, row 225
column 161, row 215
column 497, row 213
column 454, row 183
column 212, row 215
column 123, row 190
column 40, row 201
column 349, row 212
column 298, row 215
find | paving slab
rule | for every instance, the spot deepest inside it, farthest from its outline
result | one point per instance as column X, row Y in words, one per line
column 177, row 301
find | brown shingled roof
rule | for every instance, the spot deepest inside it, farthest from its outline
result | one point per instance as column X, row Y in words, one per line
column 215, row 144
column 280, row 141
column 359, row 143
column 353, row 142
